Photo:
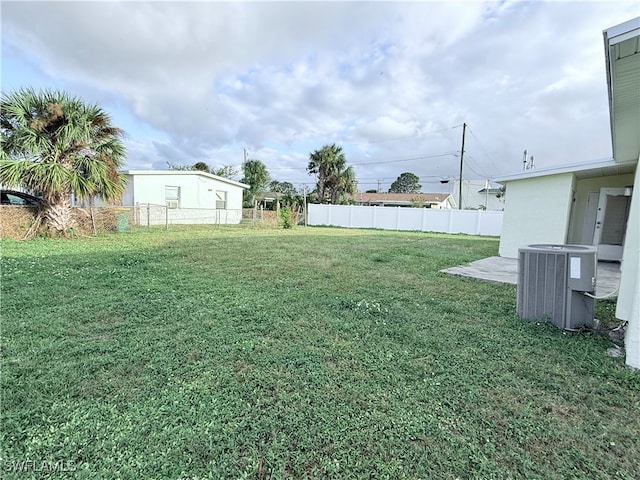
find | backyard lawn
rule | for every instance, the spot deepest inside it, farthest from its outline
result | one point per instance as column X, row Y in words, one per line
column 239, row 352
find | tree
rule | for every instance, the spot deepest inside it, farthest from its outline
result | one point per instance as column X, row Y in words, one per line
column 257, row 177
column 407, row 182
column 179, row 168
column 288, row 196
column 284, row 188
column 344, row 183
column 56, row 145
column 201, row 166
column 334, row 179
column 226, row 171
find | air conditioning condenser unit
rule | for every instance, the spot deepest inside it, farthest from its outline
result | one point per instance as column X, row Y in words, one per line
column 552, row 282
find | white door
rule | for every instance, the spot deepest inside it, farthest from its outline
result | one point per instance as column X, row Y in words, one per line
column 611, row 223
column 589, row 224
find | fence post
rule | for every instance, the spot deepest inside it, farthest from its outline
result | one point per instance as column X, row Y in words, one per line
column 478, row 222
column 166, row 218
column 397, row 218
column 148, row 215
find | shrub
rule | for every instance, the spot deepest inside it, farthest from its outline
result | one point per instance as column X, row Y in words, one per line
column 286, row 218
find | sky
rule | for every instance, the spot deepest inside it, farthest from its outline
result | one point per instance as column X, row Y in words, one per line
column 391, row 82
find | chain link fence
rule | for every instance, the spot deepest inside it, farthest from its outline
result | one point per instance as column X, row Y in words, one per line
column 15, row 221
column 148, row 214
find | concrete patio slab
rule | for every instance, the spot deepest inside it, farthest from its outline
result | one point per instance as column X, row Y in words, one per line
column 505, row 270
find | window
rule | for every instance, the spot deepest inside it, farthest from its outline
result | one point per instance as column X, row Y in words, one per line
column 17, row 198
column 172, row 196
column 221, row 200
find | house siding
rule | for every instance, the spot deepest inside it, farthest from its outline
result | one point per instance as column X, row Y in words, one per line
column 628, row 305
column 536, row 211
column 196, row 191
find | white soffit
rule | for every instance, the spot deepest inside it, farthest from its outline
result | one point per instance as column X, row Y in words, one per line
column 622, row 52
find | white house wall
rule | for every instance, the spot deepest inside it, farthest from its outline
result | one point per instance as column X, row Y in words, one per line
column 628, row 306
column 127, row 197
column 147, row 215
column 536, row 211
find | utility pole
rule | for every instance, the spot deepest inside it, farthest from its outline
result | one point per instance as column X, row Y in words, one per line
column 378, row 189
column 304, row 203
column 464, row 131
column 244, row 162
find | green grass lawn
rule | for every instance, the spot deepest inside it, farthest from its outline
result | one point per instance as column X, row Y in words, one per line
column 307, row 353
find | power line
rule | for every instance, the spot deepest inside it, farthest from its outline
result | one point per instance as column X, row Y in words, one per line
column 422, row 157
column 396, row 160
column 421, row 134
column 469, row 157
column 484, row 150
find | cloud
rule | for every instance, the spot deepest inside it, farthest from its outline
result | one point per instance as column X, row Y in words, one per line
column 200, row 81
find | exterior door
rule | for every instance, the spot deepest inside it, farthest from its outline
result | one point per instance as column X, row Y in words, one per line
column 589, row 224
column 611, row 223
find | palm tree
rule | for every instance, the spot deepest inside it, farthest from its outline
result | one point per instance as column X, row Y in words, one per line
column 344, row 182
column 57, row 145
column 257, row 177
column 334, row 178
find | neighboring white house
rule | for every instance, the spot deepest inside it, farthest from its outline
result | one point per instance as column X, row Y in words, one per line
column 427, row 200
column 593, row 203
column 183, row 197
column 478, row 195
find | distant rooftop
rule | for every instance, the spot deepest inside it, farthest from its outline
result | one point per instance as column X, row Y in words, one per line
column 407, row 198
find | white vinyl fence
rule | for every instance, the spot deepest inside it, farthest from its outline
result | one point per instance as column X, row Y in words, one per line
column 471, row 222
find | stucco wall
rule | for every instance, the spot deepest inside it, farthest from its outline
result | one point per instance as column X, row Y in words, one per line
column 536, row 211
column 628, row 306
column 127, row 197
column 582, row 189
column 196, row 191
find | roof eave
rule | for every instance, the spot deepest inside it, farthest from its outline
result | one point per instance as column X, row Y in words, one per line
column 185, row 172
column 577, row 168
column 613, row 36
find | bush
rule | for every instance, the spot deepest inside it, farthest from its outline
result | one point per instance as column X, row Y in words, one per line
column 286, row 218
